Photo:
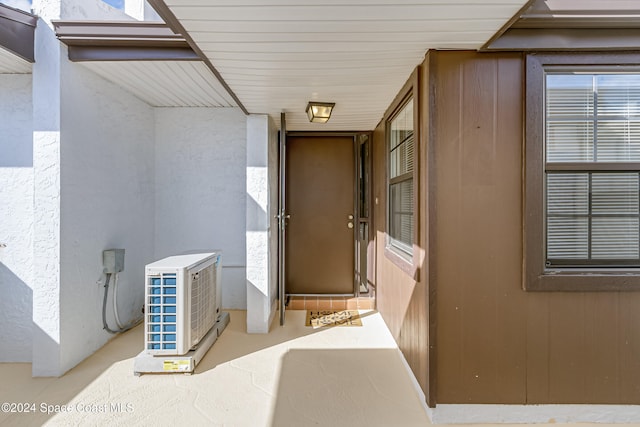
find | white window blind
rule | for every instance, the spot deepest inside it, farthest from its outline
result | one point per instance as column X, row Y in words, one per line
column 592, row 140
column 401, row 164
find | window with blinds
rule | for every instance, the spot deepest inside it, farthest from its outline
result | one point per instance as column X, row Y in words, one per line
column 592, row 169
column 401, row 165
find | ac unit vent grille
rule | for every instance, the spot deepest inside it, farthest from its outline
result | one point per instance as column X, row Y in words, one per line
column 203, row 303
column 161, row 312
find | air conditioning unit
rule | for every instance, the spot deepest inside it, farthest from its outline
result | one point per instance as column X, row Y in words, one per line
column 182, row 302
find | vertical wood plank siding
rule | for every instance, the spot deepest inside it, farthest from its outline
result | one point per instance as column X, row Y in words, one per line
column 495, row 342
column 466, row 327
column 401, row 300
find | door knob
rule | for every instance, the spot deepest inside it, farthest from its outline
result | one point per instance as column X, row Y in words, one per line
column 350, row 217
column 350, row 224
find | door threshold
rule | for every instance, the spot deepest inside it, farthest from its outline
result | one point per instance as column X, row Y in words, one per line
column 330, row 303
column 321, row 295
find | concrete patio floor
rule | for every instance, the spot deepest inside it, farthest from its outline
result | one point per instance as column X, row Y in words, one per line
column 293, row 376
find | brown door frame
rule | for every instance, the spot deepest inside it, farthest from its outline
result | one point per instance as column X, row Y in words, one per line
column 356, row 201
column 282, row 215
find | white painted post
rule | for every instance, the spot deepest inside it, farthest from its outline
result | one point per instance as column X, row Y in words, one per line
column 46, row 165
column 260, row 308
column 135, row 9
column 140, row 10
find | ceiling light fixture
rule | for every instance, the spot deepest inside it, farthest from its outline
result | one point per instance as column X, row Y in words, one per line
column 319, row 112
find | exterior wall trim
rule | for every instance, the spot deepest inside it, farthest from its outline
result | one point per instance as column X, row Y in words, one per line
column 517, row 414
column 17, row 32
column 122, row 41
column 566, row 39
column 515, row 18
column 130, row 53
column 535, row 276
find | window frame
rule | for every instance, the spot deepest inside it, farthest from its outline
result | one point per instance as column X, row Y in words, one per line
column 406, row 260
column 536, row 275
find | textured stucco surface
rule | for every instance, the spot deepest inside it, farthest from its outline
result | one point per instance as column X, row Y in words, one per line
column 107, row 200
column 75, row 120
column 16, row 217
column 77, row 9
column 140, row 10
column 46, row 200
column 90, row 10
column 16, row 110
column 90, row 168
column 257, row 243
column 200, row 166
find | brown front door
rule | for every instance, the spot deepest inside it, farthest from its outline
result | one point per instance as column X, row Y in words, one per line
column 320, row 180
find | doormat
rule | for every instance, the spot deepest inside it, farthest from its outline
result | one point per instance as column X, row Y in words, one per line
column 322, row 318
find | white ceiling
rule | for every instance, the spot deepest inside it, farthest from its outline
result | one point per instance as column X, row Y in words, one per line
column 11, row 63
column 166, row 83
column 276, row 55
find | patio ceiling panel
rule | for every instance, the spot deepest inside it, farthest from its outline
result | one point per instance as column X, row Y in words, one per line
column 276, row 55
column 165, row 83
column 13, row 64
column 148, row 59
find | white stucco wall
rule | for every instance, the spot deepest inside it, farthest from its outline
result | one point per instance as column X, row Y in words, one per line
column 50, row 297
column 200, row 164
column 78, row 9
column 46, row 198
column 91, row 10
column 257, row 244
column 107, row 201
column 16, row 217
column 140, row 10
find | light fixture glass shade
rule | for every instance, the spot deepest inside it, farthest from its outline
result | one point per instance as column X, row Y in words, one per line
column 319, row 112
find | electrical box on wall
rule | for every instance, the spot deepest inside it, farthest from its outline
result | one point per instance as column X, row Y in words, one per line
column 113, row 260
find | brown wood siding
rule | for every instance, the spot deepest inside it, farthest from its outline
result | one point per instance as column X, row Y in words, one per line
column 495, row 342
column 401, row 300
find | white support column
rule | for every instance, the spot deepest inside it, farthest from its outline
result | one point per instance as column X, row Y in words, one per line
column 135, row 9
column 140, row 10
column 260, row 294
column 46, row 166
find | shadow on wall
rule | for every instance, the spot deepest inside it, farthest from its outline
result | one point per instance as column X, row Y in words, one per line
column 16, row 129
column 346, row 387
column 257, row 218
column 16, row 314
column 20, row 155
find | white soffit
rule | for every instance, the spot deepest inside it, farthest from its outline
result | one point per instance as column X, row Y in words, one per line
column 278, row 55
column 165, row 83
column 11, row 63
